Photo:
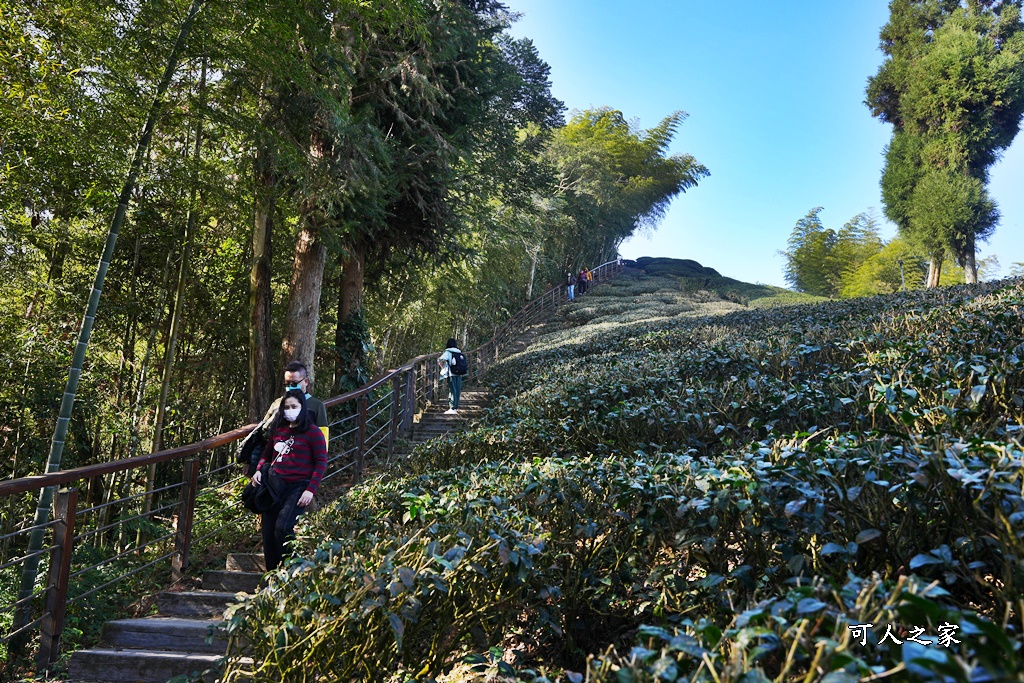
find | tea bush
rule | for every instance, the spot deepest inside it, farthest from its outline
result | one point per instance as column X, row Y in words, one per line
column 712, row 498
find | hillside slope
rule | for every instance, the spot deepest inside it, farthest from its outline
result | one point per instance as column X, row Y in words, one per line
column 728, row 490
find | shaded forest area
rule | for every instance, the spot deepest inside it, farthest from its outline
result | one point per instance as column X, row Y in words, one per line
column 337, row 182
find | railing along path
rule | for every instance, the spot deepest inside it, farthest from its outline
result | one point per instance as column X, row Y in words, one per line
column 83, row 544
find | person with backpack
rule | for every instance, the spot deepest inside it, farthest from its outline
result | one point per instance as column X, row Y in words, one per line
column 581, row 282
column 453, row 368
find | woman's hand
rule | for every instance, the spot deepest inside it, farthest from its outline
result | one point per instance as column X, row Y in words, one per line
column 256, row 478
column 305, row 499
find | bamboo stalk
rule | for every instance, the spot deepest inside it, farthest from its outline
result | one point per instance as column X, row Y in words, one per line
column 42, row 516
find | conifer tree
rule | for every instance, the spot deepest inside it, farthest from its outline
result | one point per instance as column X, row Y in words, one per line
column 952, row 86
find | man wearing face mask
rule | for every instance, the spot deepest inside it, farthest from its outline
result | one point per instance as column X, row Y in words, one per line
column 296, row 376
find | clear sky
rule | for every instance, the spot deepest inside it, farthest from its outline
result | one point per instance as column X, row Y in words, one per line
column 774, row 93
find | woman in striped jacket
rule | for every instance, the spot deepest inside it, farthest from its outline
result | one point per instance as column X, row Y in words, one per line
column 297, row 453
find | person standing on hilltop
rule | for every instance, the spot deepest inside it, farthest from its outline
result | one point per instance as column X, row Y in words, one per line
column 453, row 368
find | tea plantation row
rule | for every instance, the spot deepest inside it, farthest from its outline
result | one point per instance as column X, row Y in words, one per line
column 699, row 498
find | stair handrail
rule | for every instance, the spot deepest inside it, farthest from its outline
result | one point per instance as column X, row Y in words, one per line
column 416, row 382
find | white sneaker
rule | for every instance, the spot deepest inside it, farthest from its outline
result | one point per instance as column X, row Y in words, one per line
column 451, row 411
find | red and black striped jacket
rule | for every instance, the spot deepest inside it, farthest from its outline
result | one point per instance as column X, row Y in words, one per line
column 305, row 457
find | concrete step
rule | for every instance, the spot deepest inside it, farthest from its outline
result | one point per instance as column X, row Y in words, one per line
column 137, row 666
column 462, row 418
column 246, row 562
column 231, row 582
column 435, row 429
column 427, row 436
column 162, row 633
column 193, row 604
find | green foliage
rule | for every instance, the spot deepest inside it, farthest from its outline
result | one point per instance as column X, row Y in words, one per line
column 615, row 179
column 954, row 207
column 819, row 260
column 952, row 85
column 881, row 273
column 730, row 493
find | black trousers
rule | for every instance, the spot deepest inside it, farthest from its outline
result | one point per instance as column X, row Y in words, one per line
column 278, row 524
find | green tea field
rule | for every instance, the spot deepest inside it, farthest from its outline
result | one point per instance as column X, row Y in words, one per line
column 680, row 481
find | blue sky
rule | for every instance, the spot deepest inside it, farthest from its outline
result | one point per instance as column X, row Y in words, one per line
column 774, row 93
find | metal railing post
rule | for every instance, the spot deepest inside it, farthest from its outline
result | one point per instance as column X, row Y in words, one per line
column 60, row 572
column 396, row 400
column 410, row 400
column 186, row 516
column 435, row 382
column 428, row 388
column 361, row 439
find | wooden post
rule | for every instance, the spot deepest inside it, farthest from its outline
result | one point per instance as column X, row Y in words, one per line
column 396, row 400
column 186, row 516
column 60, row 572
column 361, row 439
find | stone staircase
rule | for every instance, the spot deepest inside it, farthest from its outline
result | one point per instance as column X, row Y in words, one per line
column 157, row 648
column 434, row 422
column 173, row 642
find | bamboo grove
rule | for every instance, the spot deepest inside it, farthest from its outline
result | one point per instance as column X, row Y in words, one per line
column 338, row 182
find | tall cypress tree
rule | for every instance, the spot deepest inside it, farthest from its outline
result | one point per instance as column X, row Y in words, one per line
column 952, row 86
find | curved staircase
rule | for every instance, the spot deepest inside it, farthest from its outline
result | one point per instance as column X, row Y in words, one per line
column 177, row 640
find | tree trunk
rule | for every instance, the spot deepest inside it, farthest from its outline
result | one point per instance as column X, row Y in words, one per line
column 299, row 341
column 261, row 363
column 140, row 389
column 534, row 255
column 349, row 332
column 970, row 263
column 352, row 276
column 42, row 516
column 934, row 270
column 179, row 295
column 128, row 344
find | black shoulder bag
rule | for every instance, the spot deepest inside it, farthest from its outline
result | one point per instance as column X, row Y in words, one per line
column 265, row 497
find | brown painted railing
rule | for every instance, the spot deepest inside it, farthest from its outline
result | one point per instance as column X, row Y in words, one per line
column 189, row 511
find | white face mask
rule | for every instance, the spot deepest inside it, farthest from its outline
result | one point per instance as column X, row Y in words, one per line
column 291, row 414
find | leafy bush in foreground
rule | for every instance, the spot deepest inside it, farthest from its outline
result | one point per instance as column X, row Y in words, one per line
column 730, row 494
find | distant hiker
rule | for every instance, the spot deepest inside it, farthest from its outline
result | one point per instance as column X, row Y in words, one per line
column 296, row 376
column 572, row 287
column 590, row 276
column 581, row 282
column 453, row 368
column 293, row 463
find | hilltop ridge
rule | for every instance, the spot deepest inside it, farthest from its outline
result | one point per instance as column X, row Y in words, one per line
column 662, row 288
